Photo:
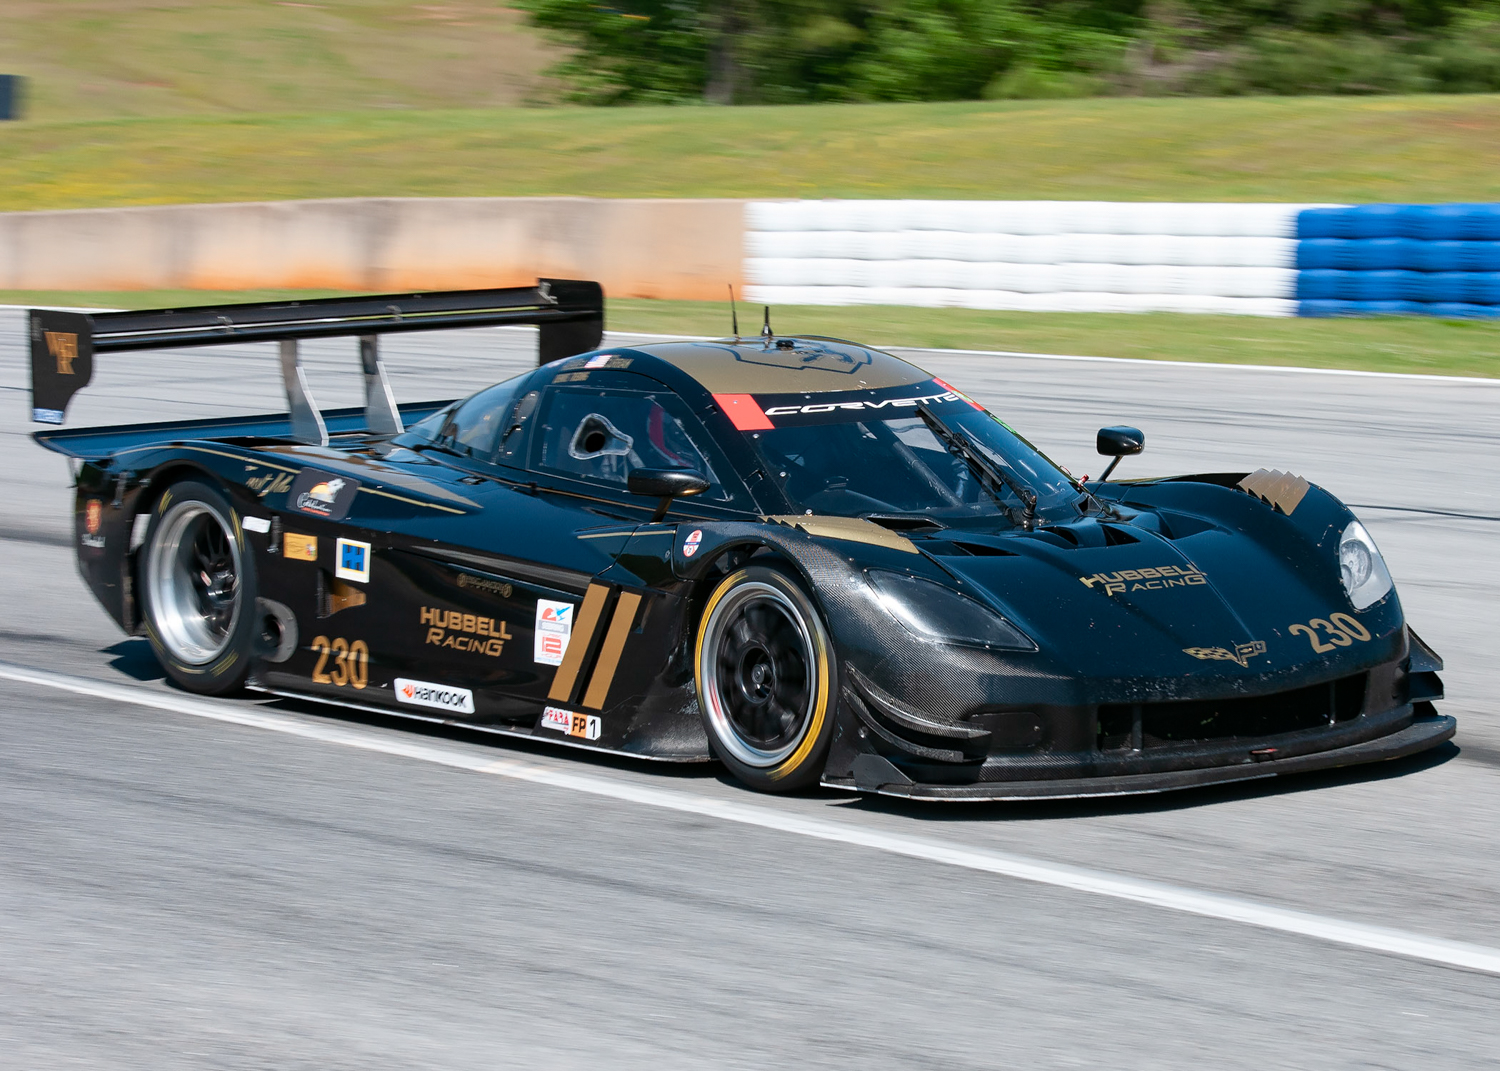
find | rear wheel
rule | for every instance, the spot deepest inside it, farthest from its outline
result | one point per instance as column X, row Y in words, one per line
column 198, row 589
column 766, row 679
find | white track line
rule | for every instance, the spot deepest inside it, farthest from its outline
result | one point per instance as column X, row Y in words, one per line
column 1121, row 887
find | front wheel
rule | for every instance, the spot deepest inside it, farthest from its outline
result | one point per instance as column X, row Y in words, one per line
column 198, row 589
column 766, row 679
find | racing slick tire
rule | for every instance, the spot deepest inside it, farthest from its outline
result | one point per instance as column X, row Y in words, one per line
column 198, row 589
column 767, row 679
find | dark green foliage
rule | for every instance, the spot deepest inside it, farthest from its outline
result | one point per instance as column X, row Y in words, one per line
column 787, row 51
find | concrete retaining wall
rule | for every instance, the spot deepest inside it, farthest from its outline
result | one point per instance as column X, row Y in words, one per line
column 1059, row 256
column 637, row 248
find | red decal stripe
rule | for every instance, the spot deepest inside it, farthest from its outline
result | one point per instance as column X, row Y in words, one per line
column 743, row 413
column 949, row 387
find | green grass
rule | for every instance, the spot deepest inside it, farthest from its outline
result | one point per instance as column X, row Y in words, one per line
column 1436, row 347
column 110, row 58
column 1434, row 148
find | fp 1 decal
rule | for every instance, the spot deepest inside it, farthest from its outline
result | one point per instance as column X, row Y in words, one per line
column 583, row 726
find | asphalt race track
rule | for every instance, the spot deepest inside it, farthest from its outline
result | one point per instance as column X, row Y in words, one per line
column 178, row 890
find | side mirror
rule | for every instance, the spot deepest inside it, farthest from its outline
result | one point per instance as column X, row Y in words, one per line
column 1118, row 442
column 665, row 484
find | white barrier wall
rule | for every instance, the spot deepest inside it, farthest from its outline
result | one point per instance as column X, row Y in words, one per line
column 1041, row 256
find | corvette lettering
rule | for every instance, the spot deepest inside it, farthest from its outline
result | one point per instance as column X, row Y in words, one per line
column 464, row 632
column 887, row 403
column 1155, row 578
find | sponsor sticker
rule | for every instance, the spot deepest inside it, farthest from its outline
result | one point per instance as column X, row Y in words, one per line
column 93, row 516
column 93, row 520
column 690, row 545
column 63, row 345
column 469, row 633
column 598, row 362
column 480, row 583
column 436, row 696
column 1158, row 578
column 299, row 547
column 583, row 726
column 270, row 482
column 554, row 627
column 1242, row 652
column 351, row 561
column 256, row 524
column 322, row 494
column 760, row 412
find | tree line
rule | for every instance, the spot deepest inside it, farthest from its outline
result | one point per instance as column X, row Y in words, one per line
column 792, row 51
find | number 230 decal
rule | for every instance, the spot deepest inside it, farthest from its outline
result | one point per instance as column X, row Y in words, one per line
column 351, row 662
column 1337, row 630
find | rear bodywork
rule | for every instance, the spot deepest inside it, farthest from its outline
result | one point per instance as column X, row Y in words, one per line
column 1196, row 633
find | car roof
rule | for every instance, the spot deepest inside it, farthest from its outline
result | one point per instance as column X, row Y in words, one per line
column 798, row 364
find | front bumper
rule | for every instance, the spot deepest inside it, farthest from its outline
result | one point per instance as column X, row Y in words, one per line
column 1413, row 731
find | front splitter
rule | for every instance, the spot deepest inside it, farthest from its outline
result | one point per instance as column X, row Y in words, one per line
column 1426, row 731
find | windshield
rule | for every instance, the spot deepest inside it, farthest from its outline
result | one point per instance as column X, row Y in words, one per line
column 870, row 452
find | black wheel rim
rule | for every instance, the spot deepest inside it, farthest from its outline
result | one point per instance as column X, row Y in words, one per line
column 759, row 667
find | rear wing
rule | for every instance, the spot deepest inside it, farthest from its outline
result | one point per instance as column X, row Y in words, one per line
column 570, row 314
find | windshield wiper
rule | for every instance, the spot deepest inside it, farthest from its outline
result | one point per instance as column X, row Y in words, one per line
column 993, row 476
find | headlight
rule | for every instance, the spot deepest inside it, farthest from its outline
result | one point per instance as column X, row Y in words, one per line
column 931, row 612
column 1366, row 580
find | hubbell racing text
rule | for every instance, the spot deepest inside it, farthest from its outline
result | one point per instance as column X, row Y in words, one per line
column 465, row 632
column 1153, row 579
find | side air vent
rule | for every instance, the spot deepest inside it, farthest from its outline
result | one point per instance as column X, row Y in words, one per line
column 905, row 524
column 1181, row 525
column 963, row 548
column 1117, row 537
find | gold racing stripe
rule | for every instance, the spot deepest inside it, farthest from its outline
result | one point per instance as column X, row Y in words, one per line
column 614, row 646
column 578, row 645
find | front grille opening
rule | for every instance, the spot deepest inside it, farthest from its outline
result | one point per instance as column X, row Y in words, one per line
column 1198, row 721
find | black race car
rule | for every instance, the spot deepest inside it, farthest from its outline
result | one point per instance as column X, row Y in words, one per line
column 801, row 556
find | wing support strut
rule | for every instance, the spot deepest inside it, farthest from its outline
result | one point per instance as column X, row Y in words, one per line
column 381, row 415
column 307, row 421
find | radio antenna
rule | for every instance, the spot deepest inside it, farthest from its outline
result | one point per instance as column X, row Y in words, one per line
column 765, row 332
column 734, row 317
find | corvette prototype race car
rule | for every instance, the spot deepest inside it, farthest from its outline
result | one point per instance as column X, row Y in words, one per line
column 804, row 557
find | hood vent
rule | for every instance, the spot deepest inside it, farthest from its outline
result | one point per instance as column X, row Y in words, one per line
column 963, row 548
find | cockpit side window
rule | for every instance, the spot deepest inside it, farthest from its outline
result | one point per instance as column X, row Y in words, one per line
column 602, row 436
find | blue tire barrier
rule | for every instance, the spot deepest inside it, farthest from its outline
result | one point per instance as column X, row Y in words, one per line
column 1411, row 254
column 1369, row 260
column 1450, row 310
